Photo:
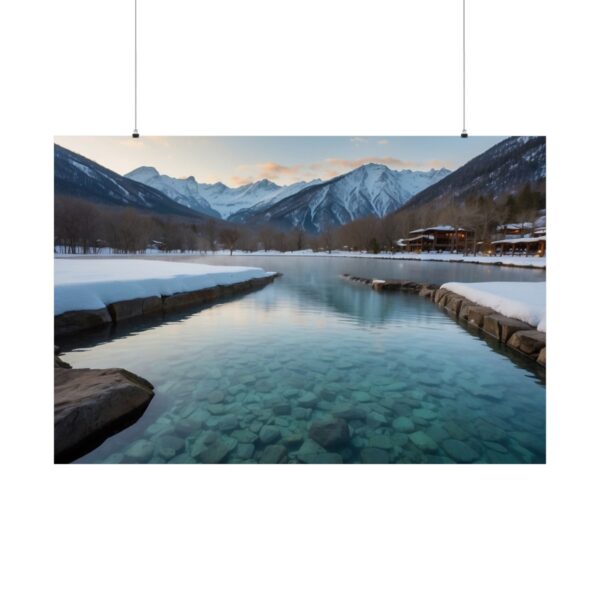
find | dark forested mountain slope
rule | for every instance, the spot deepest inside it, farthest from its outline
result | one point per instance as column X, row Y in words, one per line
column 79, row 177
column 502, row 170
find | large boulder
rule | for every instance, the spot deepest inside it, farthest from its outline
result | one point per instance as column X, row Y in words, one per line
column 439, row 294
column 331, row 433
column 92, row 404
column 529, row 342
column 463, row 313
column 501, row 327
column 126, row 309
column 445, row 299
column 476, row 314
column 78, row 320
column 541, row 359
column 453, row 304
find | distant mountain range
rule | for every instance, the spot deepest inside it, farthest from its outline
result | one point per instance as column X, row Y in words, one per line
column 183, row 191
column 502, row 170
column 216, row 198
column 371, row 189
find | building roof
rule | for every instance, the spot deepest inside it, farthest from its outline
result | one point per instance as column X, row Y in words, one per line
column 523, row 240
column 514, row 226
column 437, row 228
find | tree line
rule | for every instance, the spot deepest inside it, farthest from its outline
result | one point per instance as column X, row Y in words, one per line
column 83, row 227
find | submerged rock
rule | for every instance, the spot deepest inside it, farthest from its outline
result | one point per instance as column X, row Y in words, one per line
column 139, row 452
column 169, row 445
column 217, row 452
column 281, row 407
column 424, row 413
column 274, row 454
column 245, row 451
column 308, row 450
column 244, row 436
column 459, row 451
column 215, row 397
column 350, row 412
column 422, row 441
column 293, row 440
column 269, row 434
column 360, row 396
column 227, row 423
column 374, row 456
column 381, row 441
column 403, row 424
column 301, row 414
column 307, row 400
column 322, row 458
column 376, row 419
column 182, row 459
column 332, row 433
column 487, row 432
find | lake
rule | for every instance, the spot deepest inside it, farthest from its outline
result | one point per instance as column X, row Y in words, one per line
column 245, row 380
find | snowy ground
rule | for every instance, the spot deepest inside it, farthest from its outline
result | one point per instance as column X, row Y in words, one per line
column 519, row 261
column 515, row 261
column 92, row 284
column 520, row 300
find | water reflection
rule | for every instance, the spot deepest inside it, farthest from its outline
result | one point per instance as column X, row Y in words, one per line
column 250, row 380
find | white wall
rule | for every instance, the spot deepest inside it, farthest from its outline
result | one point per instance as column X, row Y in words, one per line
column 299, row 67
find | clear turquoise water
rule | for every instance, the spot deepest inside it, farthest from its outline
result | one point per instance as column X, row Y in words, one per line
column 412, row 385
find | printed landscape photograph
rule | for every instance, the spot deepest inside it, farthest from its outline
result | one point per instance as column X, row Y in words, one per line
column 300, row 300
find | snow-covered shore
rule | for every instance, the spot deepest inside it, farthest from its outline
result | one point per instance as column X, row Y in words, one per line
column 89, row 285
column 525, row 301
column 537, row 262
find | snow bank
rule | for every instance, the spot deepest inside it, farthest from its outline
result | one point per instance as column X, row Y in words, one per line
column 514, row 261
column 519, row 300
column 92, row 284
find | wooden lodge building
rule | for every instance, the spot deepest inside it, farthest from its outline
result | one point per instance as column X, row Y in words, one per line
column 514, row 239
column 527, row 246
column 441, row 238
column 528, row 239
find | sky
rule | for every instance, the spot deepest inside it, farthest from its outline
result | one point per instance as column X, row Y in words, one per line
column 237, row 161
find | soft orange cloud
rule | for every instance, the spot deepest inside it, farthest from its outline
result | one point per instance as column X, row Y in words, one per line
column 271, row 170
column 237, row 181
column 326, row 169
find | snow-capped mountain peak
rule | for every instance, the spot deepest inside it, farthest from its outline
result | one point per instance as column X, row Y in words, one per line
column 370, row 189
column 143, row 174
column 183, row 191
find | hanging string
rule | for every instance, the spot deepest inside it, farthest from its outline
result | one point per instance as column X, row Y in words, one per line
column 464, row 71
column 135, row 133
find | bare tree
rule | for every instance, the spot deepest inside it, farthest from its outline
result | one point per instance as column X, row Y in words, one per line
column 229, row 237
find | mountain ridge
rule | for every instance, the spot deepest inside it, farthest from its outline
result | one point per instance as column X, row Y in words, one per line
column 372, row 189
column 80, row 177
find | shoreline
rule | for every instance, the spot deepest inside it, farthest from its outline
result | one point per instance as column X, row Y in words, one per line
column 76, row 321
column 513, row 333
